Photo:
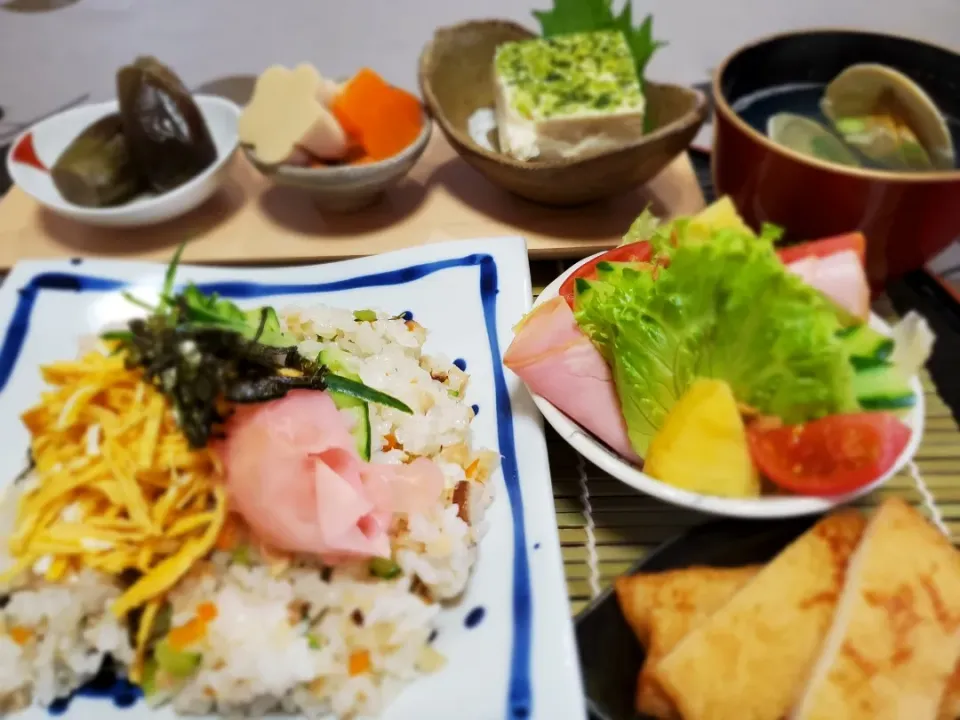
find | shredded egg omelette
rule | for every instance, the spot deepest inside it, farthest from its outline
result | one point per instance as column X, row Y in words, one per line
column 115, row 486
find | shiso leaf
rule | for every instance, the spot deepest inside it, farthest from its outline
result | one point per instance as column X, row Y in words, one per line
column 575, row 16
column 200, row 349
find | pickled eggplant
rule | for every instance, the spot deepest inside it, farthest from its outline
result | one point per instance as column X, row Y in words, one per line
column 97, row 168
column 168, row 137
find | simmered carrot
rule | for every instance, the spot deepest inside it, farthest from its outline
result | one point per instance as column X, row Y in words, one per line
column 187, row 634
column 359, row 662
column 379, row 117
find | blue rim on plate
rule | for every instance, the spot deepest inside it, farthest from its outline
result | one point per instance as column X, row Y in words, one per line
column 520, row 700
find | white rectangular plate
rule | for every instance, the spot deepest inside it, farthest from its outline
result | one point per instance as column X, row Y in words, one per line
column 520, row 661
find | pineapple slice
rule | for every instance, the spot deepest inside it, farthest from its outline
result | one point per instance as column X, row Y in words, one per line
column 721, row 214
column 702, row 446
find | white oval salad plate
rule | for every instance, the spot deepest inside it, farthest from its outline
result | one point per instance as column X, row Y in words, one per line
column 504, row 648
column 51, row 137
column 763, row 507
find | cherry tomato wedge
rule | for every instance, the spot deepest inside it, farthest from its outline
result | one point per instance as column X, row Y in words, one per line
column 634, row 252
column 824, row 248
column 830, row 456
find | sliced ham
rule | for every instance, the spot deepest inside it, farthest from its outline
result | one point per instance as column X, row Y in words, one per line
column 840, row 277
column 560, row 364
column 294, row 475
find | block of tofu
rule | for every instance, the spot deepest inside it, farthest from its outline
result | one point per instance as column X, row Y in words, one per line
column 749, row 659
column 567, row 96
column 288, row 115
column 895, row 637
column 662, row 608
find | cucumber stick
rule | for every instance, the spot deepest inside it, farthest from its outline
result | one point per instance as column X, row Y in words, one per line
column 359, row 410
column 877, row 383
column 881, row 386
column 862, row 341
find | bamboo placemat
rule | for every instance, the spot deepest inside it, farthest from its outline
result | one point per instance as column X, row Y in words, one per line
column 606, row 526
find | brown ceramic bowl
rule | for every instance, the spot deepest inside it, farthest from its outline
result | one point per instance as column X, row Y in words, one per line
column 456, row 79
column 907, row 217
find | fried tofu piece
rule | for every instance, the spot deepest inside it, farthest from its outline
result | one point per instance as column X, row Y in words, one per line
column 749, row 659
column 662, row 608
column 895, row 638
column 950, row 706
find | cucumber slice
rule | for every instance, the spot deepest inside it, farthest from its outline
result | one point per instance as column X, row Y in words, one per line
column 178, row 663
column 148, row 678
column 881, row 386
column 385, row 568
column 862, row 341
column 272, row 323
column 336, row 359
column 359, row 410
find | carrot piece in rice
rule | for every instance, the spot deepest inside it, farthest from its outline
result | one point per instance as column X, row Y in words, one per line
column 359, row 662
column 21, row 635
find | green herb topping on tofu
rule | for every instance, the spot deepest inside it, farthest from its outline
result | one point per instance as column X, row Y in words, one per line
column 570, row 74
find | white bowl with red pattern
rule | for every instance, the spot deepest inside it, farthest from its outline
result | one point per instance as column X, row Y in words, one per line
column 37, row 149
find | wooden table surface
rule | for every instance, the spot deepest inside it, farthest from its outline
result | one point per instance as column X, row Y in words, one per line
column 253, row 221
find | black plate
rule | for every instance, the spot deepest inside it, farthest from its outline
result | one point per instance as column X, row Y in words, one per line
column 610, row 655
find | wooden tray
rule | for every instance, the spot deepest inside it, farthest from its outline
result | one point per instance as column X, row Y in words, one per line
column 253, row 221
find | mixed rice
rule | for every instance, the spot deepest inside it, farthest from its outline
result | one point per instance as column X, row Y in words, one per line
column 250, row 630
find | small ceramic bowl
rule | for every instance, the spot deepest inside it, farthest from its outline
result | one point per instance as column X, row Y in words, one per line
column 347, row 188
column 52, row 136
column 456, row 80
column 907, row 217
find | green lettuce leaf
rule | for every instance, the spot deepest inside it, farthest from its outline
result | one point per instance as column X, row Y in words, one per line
column 642, row 228
column 684, row 230
column 771, row 232
column 574, row 16
column 725, row 309
column 595, row 304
